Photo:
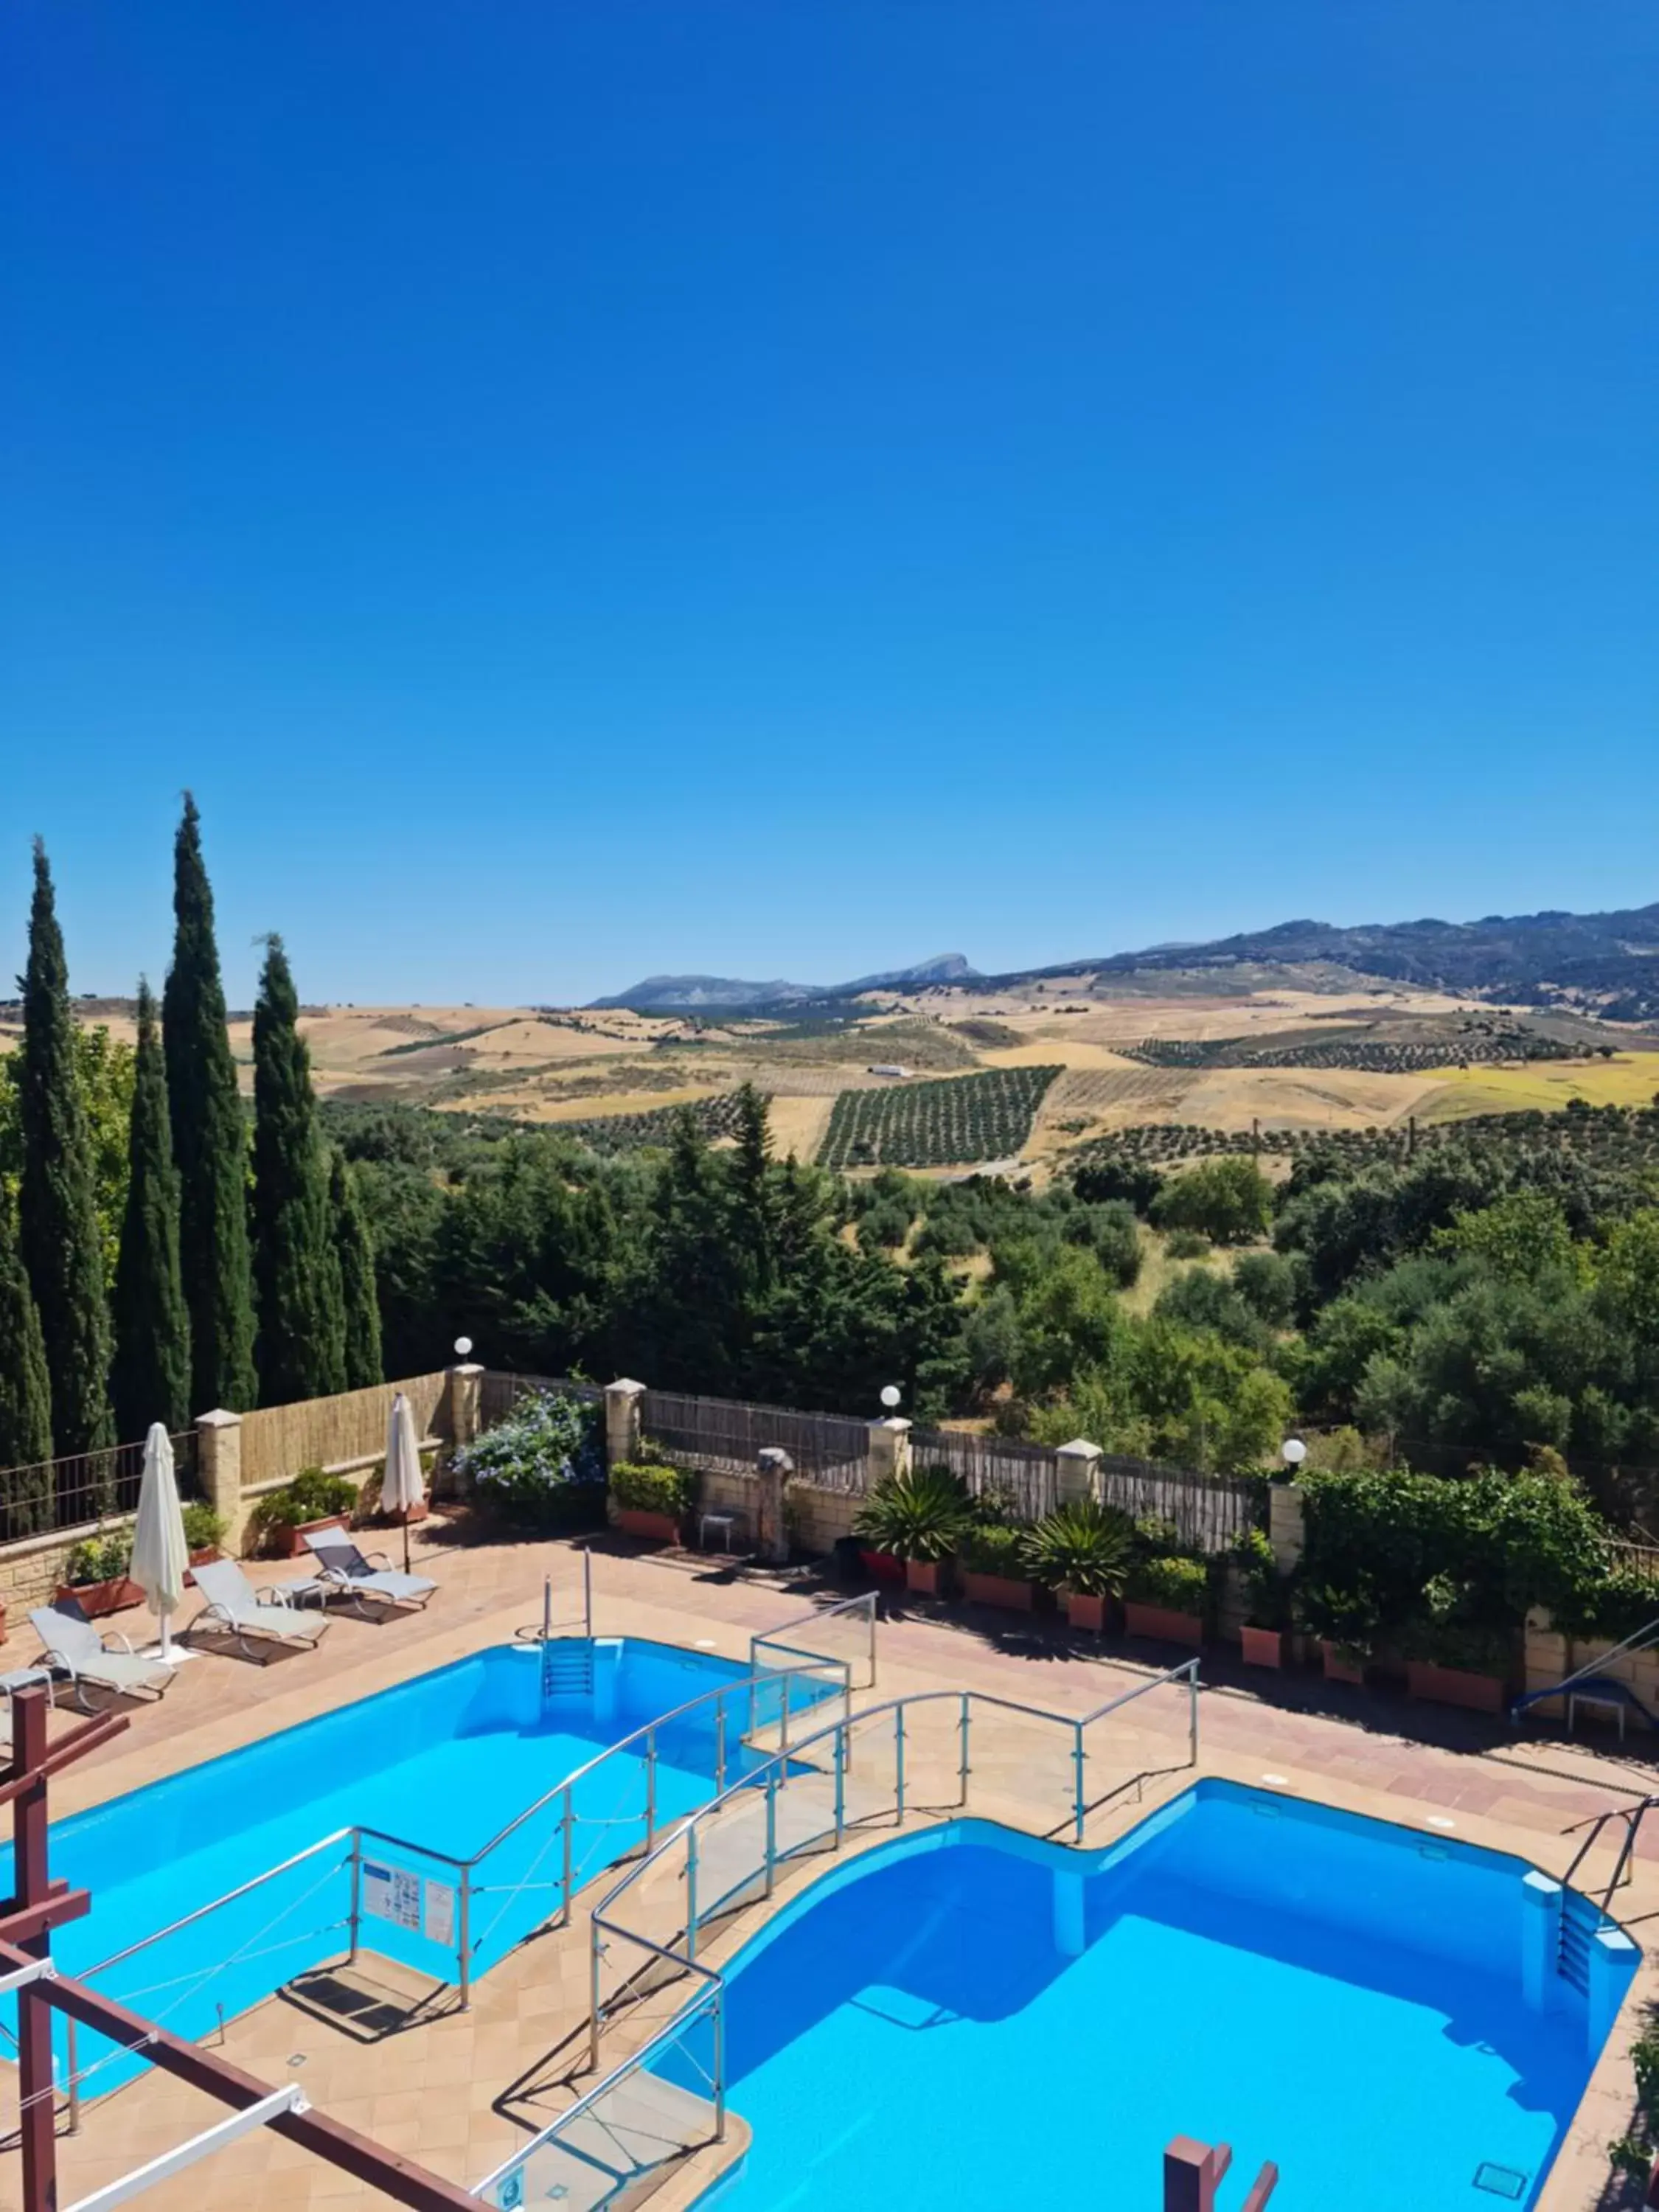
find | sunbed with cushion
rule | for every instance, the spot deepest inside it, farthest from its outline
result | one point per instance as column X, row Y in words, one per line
column 343, row 1571
column 74, row 1647
column 234, row 1606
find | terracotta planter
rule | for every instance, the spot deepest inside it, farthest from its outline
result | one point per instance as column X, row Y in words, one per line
column 656, row 1527
column 1005, row 1591
column 96, row 1599
column 1085, row 1612
column 202, row 1556
column 927, row 1577
column 1161, row 1624
column 1263, row 1647
column 296, row 1536
column 1339, row 1667
column 882, row 1566
column 1455, row 1686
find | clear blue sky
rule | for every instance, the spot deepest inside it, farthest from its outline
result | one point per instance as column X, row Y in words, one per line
column 786, row 486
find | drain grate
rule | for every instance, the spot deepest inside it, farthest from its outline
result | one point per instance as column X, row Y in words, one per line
column 1500, row 2181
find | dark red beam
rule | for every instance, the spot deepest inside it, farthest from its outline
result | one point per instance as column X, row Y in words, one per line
column 89, row 1736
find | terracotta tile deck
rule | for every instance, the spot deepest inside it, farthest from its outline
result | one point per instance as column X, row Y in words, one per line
column 461, row 2089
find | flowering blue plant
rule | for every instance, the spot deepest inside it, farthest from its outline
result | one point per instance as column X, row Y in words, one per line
column 541, row 1467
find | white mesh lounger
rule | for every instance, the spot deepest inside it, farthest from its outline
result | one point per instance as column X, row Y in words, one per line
column 342, row 1569
column 74, row 1647
column 233, row 1604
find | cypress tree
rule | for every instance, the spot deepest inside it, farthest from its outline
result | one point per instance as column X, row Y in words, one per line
column 150, row 1381
column 359, row 1299
column 301, row 1334
column 58, row 1210
column 209, row 1142
column 25, row 1394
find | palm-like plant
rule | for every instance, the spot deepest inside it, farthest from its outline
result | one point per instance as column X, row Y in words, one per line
column 919, row 1516
column 1082, row 1547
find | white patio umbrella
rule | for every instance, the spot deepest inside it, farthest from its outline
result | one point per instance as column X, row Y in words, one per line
column 159, row 1553
column 401, row 1487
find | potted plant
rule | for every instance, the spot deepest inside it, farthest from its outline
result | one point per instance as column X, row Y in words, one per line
column 314, row 1501
column 203, row 1532
column 1452, row 1656
column 1084, row 1551
column 1265, row 1609
column 919, row 1517
column 95, row 1575
column 1346, row 1622
column 993, row 1566
column 650, row 1500
column 1165, row 1597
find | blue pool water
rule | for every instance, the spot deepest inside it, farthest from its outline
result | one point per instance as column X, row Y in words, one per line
column 1343, row 1997
column 444, row 1761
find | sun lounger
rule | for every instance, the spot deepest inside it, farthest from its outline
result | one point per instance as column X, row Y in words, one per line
column 234, row 1606
column 73, row 1647
column 343, row 1571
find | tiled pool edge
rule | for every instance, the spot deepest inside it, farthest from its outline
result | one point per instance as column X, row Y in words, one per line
column 1578, row 2176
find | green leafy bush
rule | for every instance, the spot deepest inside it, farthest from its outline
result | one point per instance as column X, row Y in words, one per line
column 1346, row 1617
column 100, row 1558
column 1180, row 1585
column 1266, row 1596
column 541, row 1467
column 1187, row 1244
column 312, row 1495
column 992, row 1547
column 922, row 1515
column 1082, row 1547
column 203, row 1529
column 642, row 1487
column 1229, row 1200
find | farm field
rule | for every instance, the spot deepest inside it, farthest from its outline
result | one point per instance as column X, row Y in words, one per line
column 1630, row 1079
column 955, row 1122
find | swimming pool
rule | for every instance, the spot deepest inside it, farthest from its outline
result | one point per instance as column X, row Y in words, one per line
column 446, row 1761
column 968, row 2019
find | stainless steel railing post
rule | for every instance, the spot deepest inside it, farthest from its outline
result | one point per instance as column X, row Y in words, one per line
column 840, row 1783
column 720, row 2064
column 354, row 1922
column 691, row 1891
column 71, row 2052
column 568, row 1823
column 719, row 1743
column 783, row 1721
column 467, row 1939
column 595, row 1951
column 588, row 1592
column 898, row 1766
column 1192, row 1713
column 963, row 1767
column 1078, row 1756
column 650, row 1787
column 771, row 1829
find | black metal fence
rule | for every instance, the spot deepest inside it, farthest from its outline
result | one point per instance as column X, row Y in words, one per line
column 84, row 1489
column 1023, row 1477
column 827, row 1449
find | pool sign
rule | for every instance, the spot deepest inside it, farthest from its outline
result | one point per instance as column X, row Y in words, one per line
column 440, row 1913
column 392, row 1893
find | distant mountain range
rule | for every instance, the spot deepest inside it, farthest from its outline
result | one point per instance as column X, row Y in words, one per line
column 672, row 994
column 1606, row 961
column 1612, row 959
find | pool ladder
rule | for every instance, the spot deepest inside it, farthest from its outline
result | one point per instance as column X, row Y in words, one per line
column 1581, row 1916
column 567, row 1667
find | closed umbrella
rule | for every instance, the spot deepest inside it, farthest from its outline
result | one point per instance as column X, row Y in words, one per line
column 160, row 1554
column 401, row 1488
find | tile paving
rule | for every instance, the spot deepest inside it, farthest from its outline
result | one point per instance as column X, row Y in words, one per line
column 459, row 2089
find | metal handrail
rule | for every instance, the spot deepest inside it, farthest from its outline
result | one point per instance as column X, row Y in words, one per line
column 1631, row 1815
column 200, row 1911
column 865, row 1602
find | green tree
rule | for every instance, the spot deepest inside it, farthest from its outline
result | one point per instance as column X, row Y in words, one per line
column 301, row 1345
column 1228, row 1200
column 209, row 1142
column 150, row 1380
column 57, row 1213
column 359, row 1305
column 25, row 1394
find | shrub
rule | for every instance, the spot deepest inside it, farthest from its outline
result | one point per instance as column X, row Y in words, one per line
column 643, row 1488
column 922, row 1515
column 1229, row 1200
column 1187, row 1244
column 1181, row 1585
column 992, row 1547
column 312, row 1495
column 100, row 1558
column 541, row 1469
column 1265, row 1595
column 1082, row 1547
column 1347, row 1617
column 203, row 1529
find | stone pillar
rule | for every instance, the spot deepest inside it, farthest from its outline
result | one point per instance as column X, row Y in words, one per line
column 219, row 1468
column 773, row 1467
column 1541, row 1937
column 622, row 1421
column 1286, row 1525
column 463, row 1395
column 1078, row 1470
column 889, row 1449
